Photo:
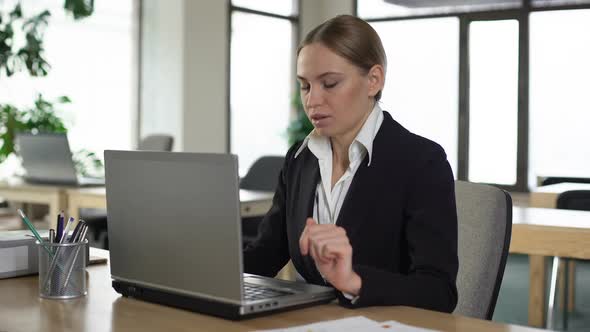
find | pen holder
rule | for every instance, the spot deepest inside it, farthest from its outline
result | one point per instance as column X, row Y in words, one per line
column 62, row 270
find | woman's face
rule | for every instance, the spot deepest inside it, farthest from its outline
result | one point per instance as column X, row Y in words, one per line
column 336, row 95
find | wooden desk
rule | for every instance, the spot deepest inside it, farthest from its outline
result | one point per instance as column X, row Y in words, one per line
column 18, row 191
column 85, row 198
column 546, row 196
column 540, row 232
column 104, row 310
column 253, row 203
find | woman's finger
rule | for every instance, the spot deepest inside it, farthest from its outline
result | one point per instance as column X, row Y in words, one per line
column 321, row 244
column 304, row 238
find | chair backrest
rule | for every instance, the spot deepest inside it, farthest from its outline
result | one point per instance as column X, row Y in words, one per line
column 574, row 200
column 263, row 174
column 156, row 143
column 484, row 216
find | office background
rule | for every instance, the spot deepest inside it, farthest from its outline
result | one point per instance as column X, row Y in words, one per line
column 134, row 68
column 218, row 75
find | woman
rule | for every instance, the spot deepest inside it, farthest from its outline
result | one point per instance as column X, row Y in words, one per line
column 362, row 204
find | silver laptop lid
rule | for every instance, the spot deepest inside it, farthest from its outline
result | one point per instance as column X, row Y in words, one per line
column 174, row 222
column 47, row 157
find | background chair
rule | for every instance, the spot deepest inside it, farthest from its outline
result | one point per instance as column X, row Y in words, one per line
column 263, row 175
column 156, row 143
column 97, row 218
column 574, row 200
column 485, row 224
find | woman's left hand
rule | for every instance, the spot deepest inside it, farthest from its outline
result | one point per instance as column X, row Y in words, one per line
column 331, row 251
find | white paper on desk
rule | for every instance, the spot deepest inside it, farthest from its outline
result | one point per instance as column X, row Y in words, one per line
column 392, row 325
column 353, row 324
column 350, row 324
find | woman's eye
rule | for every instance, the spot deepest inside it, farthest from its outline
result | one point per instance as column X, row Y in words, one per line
column 304, row 87
column 329, row 85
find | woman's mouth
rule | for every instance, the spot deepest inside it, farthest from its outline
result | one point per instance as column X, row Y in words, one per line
column 320, row 120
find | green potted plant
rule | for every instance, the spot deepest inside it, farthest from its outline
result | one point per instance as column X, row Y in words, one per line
column 300, row 126
column 43, row 116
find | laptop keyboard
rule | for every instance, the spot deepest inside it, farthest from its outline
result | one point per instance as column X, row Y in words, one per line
column 257, row 292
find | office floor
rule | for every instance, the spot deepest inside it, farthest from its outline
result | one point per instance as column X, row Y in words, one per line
column 513, row 299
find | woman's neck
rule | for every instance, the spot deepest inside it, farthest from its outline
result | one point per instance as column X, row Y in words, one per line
column 340, row 144
column 340, row 147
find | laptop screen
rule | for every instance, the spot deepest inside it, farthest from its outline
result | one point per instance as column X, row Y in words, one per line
column 47, row 157
column 174, row 221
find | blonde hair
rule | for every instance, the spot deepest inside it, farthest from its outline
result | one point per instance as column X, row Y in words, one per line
column 351, row 38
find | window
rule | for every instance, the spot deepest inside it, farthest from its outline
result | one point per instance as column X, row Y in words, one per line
column 94, row 61
column 421, row 91
column 261, row 79
column 559, row 100
column 493, row 101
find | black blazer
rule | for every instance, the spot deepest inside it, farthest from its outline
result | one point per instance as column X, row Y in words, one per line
column 399, row 214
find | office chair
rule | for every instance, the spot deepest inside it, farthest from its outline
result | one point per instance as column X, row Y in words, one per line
column 263, row 175
column 567, row 200
column 96, row 218
column 156, row 143
column 484, row 216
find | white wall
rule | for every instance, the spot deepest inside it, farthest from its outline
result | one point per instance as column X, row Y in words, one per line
column 184, row 78
column 206, row 79
column 184, row 68
column 162, row 54
column 314, row 12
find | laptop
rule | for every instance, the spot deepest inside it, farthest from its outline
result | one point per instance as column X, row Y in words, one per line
column 47, row 159
column 174, row 232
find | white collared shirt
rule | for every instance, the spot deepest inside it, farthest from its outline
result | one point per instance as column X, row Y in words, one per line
column 328, row 201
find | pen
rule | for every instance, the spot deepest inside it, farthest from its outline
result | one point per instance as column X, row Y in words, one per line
column 60, row 226
column 69, row 274
column 66, row 230
column 52, row 235
column 34, row 230
column 81, row 224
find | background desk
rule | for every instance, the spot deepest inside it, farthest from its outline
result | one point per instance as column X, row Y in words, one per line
column 541, row 232
column 18, row 191
column 105, row 310
column 252, row 203
column 546, row 196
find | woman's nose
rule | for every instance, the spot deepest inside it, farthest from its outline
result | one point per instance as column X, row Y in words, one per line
column 314, row 98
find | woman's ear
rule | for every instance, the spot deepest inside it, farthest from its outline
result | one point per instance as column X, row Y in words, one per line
column 376, row 78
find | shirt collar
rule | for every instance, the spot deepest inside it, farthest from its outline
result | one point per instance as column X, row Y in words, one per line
column 320, row 145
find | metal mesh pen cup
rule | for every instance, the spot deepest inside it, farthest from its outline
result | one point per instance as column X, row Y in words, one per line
column 62, row 270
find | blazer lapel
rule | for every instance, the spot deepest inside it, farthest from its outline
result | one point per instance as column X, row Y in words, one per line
column 357, row 200
column 310, row 175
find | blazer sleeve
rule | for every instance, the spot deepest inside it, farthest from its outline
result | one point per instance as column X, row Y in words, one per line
column 431, row 233
column 269, row 252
